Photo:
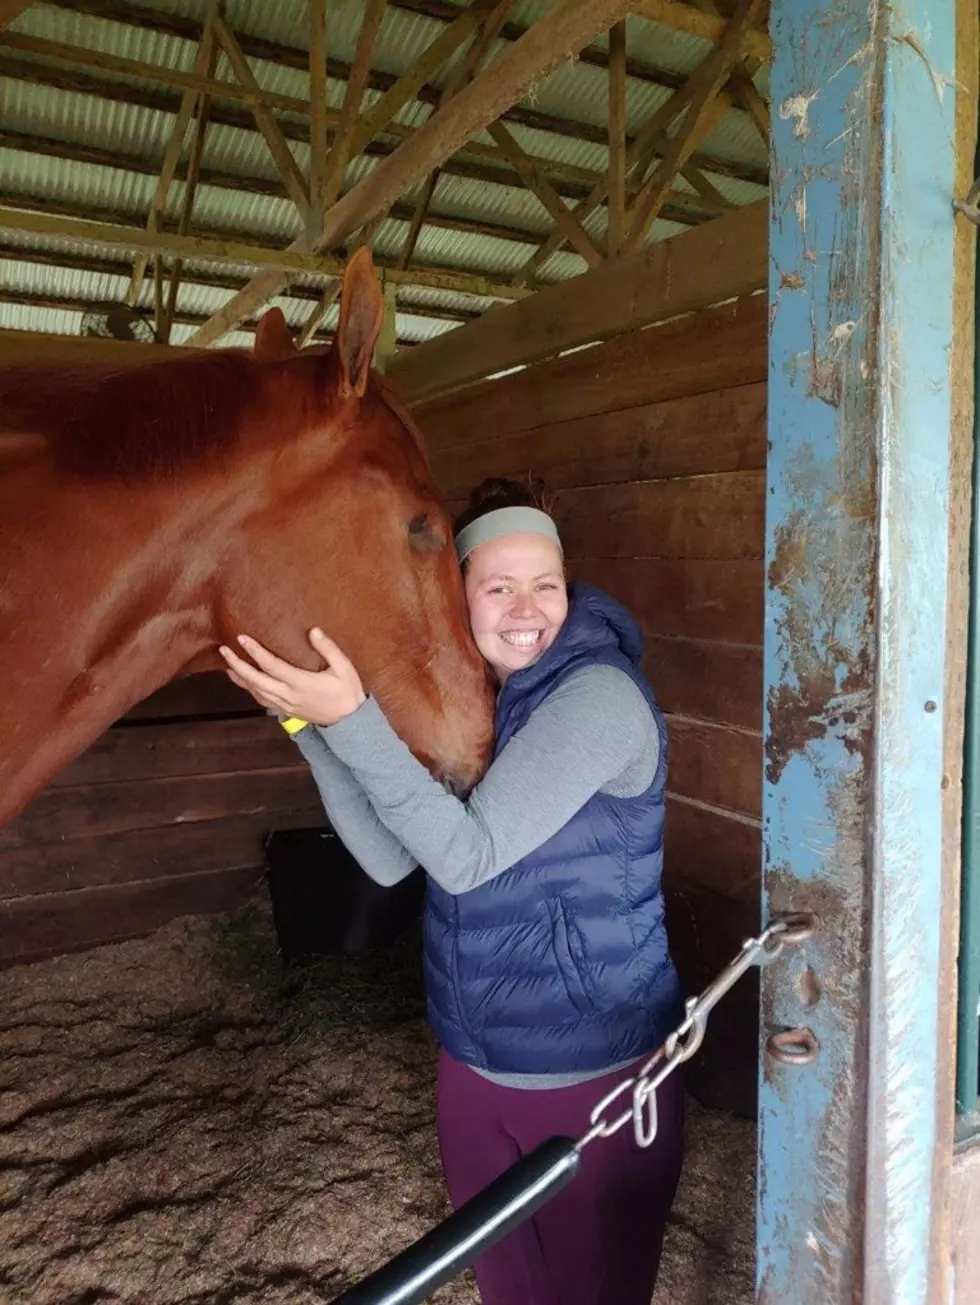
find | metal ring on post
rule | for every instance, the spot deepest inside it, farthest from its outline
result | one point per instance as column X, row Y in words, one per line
column 969, row 207
column 792, row 929
column 793, row 1046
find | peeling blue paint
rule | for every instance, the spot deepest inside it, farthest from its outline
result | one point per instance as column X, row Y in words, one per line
column 861, row 307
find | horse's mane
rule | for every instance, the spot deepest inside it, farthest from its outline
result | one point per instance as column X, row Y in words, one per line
column 153, row 421
column 146, row 421
column 392, row 400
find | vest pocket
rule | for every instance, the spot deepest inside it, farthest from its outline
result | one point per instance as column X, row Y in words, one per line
column 570, row 957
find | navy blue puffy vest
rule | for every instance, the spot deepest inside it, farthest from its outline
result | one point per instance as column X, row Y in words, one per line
column 561, row 964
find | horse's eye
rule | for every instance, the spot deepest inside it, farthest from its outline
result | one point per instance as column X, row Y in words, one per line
column 422, row 537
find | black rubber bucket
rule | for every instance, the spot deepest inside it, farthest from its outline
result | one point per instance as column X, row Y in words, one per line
column 323, row 904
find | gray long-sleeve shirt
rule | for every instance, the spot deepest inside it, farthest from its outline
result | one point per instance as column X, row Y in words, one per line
column 593, row 733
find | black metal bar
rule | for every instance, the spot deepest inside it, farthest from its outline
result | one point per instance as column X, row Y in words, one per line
column 453, row 1245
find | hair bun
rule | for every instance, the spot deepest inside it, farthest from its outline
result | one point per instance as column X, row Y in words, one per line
column 499, row 492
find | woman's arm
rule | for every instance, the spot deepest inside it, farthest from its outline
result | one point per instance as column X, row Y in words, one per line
column 594, row 732
column 375, row 848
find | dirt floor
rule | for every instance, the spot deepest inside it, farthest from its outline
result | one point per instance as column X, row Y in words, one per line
column 182, row 1125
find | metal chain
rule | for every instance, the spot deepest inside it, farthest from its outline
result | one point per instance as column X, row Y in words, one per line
column 685, row 1040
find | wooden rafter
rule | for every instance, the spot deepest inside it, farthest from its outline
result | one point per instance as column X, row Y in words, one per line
column 684, row 207
column 71, row 303
column 187, row 205
column 616, row 228
column 704, row 110
column 388, row 339
column 211, row 279
column 429, row 62
column 374, row 11
column 319, row 134
column 125, row 12
column 171, row 158
column 639, row 155
column 459, row 76
column 326, row 301
column 562, row 31
column 422, row 202
column 703, row 187
column 747, row 95
column 189, row 29
column 288, row 168
column 540, row 187
column 478, row 160
column 332, row 288
column 76, row 56
column 685, row 18
column 206, row 249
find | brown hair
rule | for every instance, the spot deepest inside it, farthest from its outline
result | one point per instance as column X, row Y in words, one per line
column 498, row 492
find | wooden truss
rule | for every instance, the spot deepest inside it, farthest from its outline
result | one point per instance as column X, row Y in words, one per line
column 474, row 74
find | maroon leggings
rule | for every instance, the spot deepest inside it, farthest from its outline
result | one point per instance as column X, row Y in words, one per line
column 598, row 1242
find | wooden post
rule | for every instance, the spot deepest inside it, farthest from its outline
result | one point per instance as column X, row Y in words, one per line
column 617, row 139
column 853, row 1161
column 388, row 339
column 318, row 101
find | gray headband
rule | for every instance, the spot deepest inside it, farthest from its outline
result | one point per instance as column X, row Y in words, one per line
column 505, row 521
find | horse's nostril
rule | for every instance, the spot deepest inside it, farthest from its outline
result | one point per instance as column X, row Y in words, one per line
column 458, row 787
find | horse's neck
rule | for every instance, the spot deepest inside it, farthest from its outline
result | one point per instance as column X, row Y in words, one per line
column 93, row 620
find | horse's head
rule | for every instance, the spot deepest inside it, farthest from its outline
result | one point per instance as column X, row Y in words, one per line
column 348, row 531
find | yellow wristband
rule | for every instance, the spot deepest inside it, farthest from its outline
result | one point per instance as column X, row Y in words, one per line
column 293, row 725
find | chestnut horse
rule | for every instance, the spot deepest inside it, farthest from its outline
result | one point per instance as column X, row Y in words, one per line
column 152, row 512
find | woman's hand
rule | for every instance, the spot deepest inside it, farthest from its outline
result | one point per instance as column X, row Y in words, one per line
column 320, row 697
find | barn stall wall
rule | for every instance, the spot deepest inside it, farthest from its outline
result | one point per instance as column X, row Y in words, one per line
column 164, row 816
column 655, row 442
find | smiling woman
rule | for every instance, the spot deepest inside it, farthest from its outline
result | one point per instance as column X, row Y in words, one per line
column 547, row 968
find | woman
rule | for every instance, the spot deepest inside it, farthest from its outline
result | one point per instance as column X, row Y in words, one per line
column 546, row 961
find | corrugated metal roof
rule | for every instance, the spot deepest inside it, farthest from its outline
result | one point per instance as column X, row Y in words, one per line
column 70, row 152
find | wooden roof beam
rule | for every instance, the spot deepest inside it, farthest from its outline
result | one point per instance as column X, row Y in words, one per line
column 707, row 105
column 188, row 103
column 458, row 77
column 80, row 82
column 638, row 157
column 194, row 163
column 524, row 115
column 336, row 164
column 209, row 280
column 546, row 195
column 616, row 184
column 210, row 250
column 695, row 22
column 286, row 165
column 149, row 19
column 72, row 304
column 684, row 207
column 319, row 135
column 562, row 31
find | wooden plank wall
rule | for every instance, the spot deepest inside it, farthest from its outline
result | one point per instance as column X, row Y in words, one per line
column 656, row 442
column 164, row 816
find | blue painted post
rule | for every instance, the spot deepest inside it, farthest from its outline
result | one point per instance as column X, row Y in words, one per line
column 861, row 311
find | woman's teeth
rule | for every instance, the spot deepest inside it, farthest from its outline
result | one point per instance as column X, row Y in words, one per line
column 521, row 638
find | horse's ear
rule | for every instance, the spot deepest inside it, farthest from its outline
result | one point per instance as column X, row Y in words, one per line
column 361, row 317
column 273, row 338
